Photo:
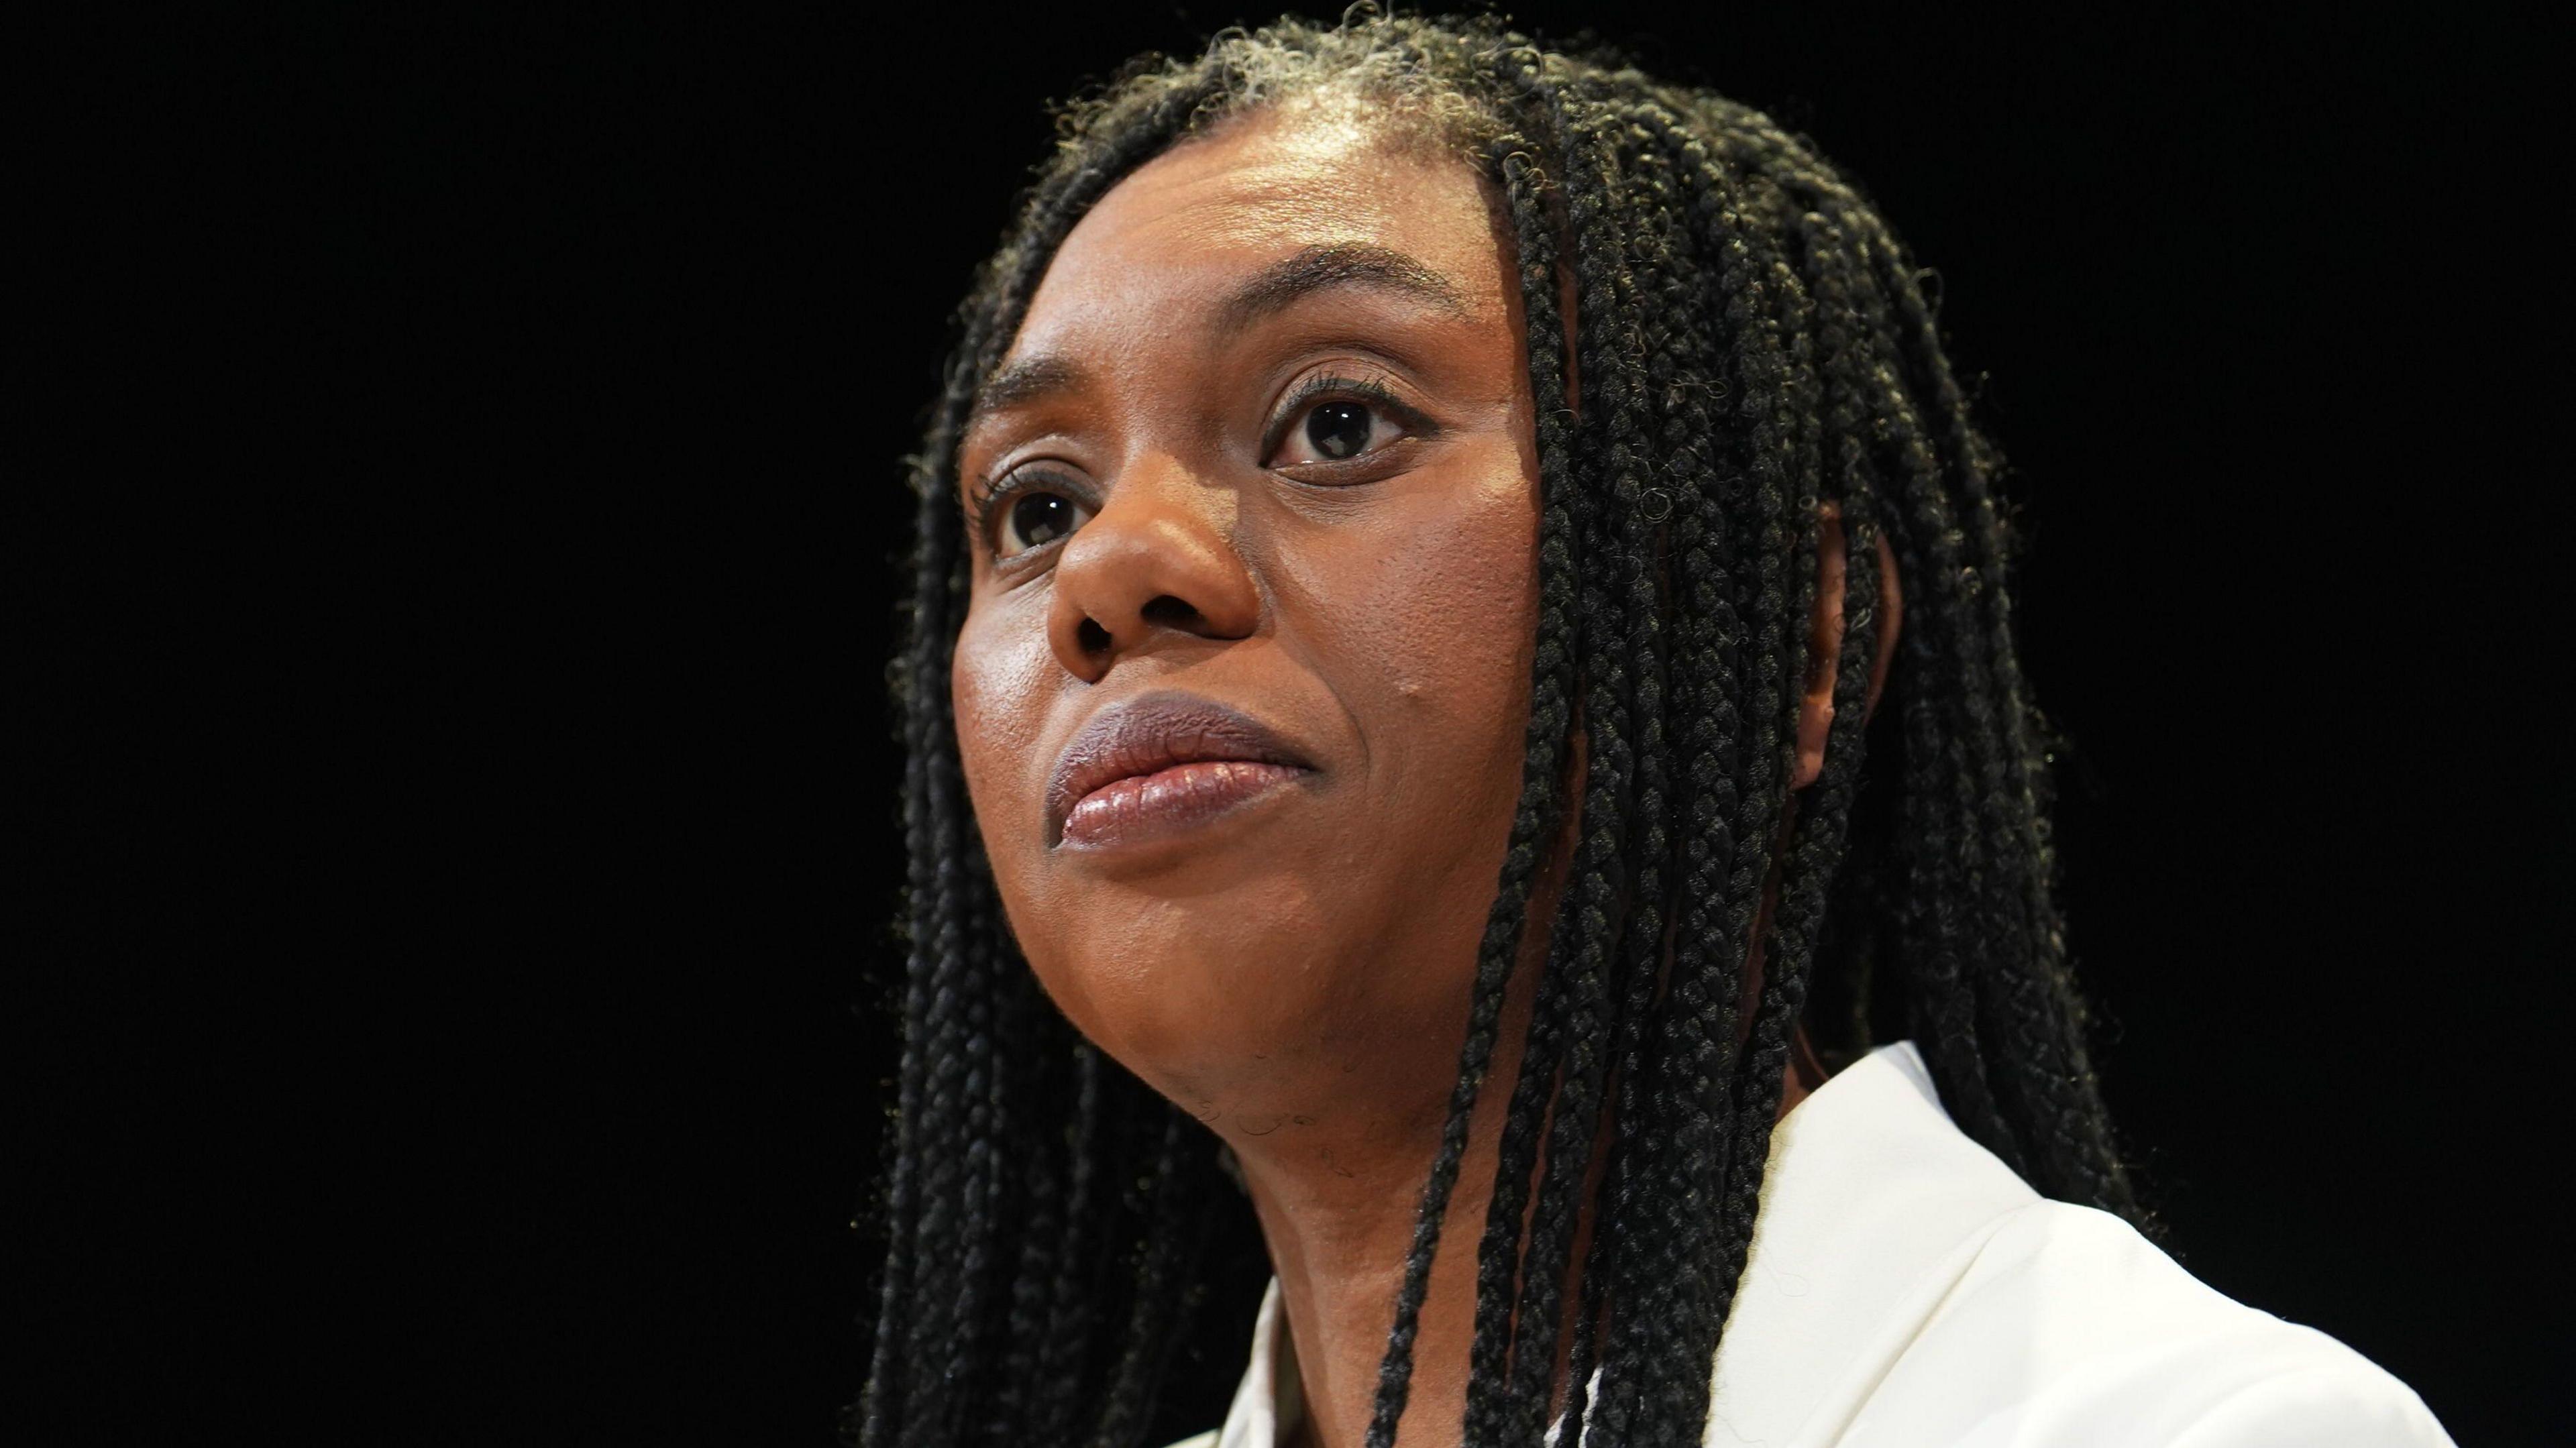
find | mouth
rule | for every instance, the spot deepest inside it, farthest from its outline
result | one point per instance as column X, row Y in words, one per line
column 1161, row 763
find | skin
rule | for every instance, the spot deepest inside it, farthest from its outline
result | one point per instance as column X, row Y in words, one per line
column 1293, row 972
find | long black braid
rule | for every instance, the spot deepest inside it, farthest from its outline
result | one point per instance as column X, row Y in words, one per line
column 1753, row 344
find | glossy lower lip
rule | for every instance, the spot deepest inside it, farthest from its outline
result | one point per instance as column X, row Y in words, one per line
column 1167, row 801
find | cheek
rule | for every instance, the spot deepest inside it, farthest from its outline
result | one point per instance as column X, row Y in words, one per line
column 1459, row 605
column 1423, row 620
column 1461, row 602
column 1003, row 684
column 1000, row 689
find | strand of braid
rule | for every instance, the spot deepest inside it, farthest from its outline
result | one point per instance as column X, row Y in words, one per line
column 1617, row 587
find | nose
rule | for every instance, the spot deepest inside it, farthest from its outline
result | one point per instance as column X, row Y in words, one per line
column 1158, row 563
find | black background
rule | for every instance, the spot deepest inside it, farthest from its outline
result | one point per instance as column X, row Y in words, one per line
column 452, row 890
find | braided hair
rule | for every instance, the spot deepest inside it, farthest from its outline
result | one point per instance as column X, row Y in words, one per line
column 1755, row 349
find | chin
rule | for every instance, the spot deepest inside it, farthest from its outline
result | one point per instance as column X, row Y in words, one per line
column 1190, row 990
column 1258, row 998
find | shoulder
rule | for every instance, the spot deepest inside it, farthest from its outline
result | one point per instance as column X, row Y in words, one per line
column 2068, row 1326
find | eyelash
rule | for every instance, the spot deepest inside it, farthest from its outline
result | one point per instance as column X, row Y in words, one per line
column 992, row 494
column 1331, row 388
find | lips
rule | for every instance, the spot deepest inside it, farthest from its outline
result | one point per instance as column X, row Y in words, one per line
column 1159, row 761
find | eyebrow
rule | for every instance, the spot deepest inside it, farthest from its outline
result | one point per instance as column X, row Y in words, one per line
column 1031, row 379
column 1283, row 284
column 1272, row 290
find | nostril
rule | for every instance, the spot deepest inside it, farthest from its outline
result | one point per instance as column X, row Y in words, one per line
column 1093, row 638
column 1171, row 612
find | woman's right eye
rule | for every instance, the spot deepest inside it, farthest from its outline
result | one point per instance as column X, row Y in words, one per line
column 1035, row 519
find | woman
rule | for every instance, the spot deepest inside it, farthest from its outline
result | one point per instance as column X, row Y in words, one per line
column 1460, row 647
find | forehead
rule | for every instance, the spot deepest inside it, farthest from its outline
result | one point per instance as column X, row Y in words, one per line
column 1189, row 225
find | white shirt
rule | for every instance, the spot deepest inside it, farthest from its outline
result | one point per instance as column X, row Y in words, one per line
column 1904, row 1289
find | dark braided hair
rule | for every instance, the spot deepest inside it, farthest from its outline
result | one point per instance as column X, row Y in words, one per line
column 1753, row 346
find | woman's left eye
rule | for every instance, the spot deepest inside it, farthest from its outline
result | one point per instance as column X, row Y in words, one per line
column 1336, row 430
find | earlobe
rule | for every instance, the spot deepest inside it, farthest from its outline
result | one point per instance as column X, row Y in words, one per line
column 1824, row 651
column 1891, row 619
column 1816, row 705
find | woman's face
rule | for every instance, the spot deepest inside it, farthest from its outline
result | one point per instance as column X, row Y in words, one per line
column 1240, row 692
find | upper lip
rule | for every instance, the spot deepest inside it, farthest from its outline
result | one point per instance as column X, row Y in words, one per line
column 1153, row 732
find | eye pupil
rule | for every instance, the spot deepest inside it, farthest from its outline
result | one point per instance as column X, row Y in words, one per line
column 1338, row 429
column 1041, row 518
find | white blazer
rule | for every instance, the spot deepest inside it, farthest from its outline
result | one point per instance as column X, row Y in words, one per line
column 1905, row 1289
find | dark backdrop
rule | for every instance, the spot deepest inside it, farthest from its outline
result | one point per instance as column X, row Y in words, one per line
column 465, row 839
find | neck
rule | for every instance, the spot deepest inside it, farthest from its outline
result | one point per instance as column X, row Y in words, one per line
column 1337, row 1210
column 1338, row 1244
column 1338, row 1240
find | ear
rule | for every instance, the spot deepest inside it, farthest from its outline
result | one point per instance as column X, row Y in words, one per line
column 1816, row 707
